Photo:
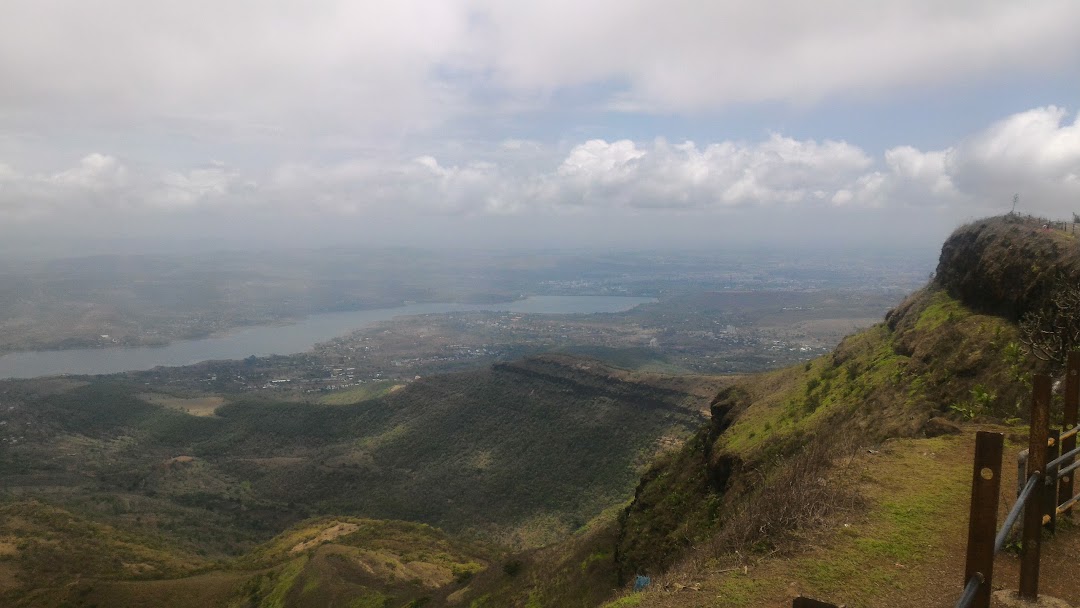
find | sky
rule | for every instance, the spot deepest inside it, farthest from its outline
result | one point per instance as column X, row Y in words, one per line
column 204, row 124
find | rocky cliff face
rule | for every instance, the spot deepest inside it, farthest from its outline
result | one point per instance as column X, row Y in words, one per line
column 1006, row 265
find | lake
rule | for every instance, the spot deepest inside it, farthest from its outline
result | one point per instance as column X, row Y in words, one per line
column 275, row 339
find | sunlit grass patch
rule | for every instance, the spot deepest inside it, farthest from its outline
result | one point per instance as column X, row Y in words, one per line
column 196, row 406
column 361, row 392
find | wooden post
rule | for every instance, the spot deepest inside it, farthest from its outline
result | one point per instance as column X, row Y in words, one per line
column 1050, row 489
column 1066, row 487
column 1033, row 512
column 982, row 520
column 805, row 602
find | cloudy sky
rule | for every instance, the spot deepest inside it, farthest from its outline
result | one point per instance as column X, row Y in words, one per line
column 627, row 123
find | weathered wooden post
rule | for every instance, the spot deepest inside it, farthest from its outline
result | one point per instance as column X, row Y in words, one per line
column 1033, row 512
column 982, row 520
column 1066, row 487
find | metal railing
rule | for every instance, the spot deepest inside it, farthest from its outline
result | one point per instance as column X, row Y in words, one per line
column 1045, row 489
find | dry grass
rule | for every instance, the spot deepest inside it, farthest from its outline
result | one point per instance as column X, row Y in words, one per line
column 212, row 589
column 196, row 406
column 9, row 577
column 327, row 535
column 797, row 494
column 362, row 392
column 792, row 500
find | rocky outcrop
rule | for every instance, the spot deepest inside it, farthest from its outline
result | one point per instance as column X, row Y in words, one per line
column 1006, row 265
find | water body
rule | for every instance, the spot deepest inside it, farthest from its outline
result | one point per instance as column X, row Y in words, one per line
column 278, row 339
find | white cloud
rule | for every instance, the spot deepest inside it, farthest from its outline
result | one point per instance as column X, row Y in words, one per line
column 96, row 181
column 96, row 173
column 477, row 186
column 243, row 67
column 207, row 185
column 520, row 145
column 913, row 178
column 99, row 184
column 595, row 175
column 338, row 69
column 1035, row 153
column 596, row 159
column 381, row 186
column 779, row 170
column 686, row 54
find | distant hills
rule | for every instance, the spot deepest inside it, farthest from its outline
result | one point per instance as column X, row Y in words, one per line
column 521, row 454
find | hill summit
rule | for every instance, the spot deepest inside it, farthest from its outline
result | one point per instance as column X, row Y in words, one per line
column 1008, row 265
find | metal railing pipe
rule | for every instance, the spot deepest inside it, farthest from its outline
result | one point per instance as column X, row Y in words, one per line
column 1061, row 459
column 1069, row 469
column 1018, row 508
column 1021, row 472
column 969, row 590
